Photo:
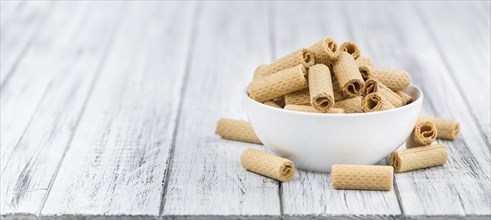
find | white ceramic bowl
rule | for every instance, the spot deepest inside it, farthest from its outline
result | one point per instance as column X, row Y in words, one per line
column 317, row 141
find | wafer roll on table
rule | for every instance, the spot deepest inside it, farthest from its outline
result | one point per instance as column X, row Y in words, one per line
column 301, row 56
column 362, row 177
column 261, row 71
column 320, row 87
column 446, row 128
column 351, row 105
column 406, row 99
column 373, row 102
column 272, row 104
column 374, row 86
column 267, row 164
column 325, row 51
column 351, row 48
column 236, row 130
column 363, row 61
column 419, row 158
column 348, row 75
column 423, row 134
column 278, row 84
column 309, row 108
column 394, row 79
column 300, row 97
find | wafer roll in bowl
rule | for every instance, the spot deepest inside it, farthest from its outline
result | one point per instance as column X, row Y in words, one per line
column 351, row 48
column 301, row 56
column 419, row 158
column 320, row 87
column 278, row 84
column 348, row 75
column 373, row 102
column 406, row 99
column 374, row 86
column 362, row 177
column 300, row 97
column 351, row 105
column 394, row 79
column 325, row 51
column 267, row 164
column 236, row 130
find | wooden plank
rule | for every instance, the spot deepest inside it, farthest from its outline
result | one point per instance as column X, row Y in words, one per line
column 17, row 31
column 31, row 166
column 474, row 70
column 461, row 187
column 116, row 162
column 310, row 194
column 47, row 57
column 205, row 178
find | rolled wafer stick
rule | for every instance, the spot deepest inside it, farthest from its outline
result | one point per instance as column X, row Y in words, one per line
column 394, row 79
column 236, row 130
column 309, row 108
column 267, row 164
column 423, row 134
column 320, row 86
column 374, row 86
column 301, row 56
column 419, row 158
column 362, row 177
column 300, row 97
column 348, row 75
column 261, row 71
column 406, row 99
column 446, row 128
column 374, row 102
column 363, row 61
column 351, row 48
column 325, row 51
column 272, row 104
column 278, row 84
column 351, row 105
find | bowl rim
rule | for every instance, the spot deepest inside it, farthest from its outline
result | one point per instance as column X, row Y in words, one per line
column 418, row 100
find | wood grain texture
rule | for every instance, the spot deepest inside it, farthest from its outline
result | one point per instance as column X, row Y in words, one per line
column 50, row 54
column 206, row 178
column 461, row 187
column 32, row 165
column 19, row 23
column 117, row 159
column 310, row 194
column 471, row 75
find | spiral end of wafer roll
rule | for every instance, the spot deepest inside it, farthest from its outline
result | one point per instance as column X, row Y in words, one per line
column 323, row 101
column 351, row 48
column 365, row 72
column 308, row 57
column 354, row 87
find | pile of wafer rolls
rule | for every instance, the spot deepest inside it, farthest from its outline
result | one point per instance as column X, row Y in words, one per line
column 327, row 78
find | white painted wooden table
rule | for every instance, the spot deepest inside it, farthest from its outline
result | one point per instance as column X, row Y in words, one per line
column 108, row 109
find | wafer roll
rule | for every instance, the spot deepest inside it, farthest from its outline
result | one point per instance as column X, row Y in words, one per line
column 418, row 158
column 446, row 128
column 236, row 130
column 406, row 99
column 278, row 84
column 309, row 108
column 351, row 48
column 363, row 177
column 348, row 75
column 423, row 134
column 325, row 51
column 363, row 61
column 320, row 86
column 352, row 105
column 261, row 71
column 301, row 56
column 374, row 102
column 336, row 89
column 272, row 104
column 374, row 86
column 300, row 97
column 394, row 79
column 267, row 164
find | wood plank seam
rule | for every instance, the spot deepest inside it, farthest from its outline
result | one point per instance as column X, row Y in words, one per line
column 438, row 46
column 27, row 45
column 107, row 48
column 192, row 41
